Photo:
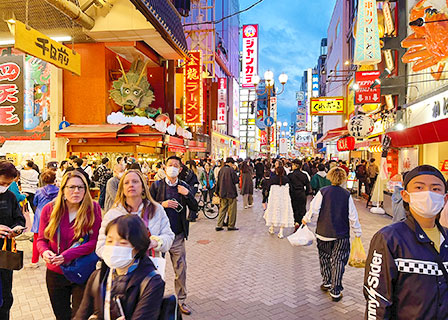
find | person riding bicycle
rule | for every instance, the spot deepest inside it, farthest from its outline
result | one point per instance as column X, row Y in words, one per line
column 207, row 180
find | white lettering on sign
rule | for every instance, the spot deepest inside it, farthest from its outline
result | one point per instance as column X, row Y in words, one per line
column 250, row 55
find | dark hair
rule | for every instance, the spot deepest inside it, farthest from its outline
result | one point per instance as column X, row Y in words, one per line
column 132, row 228
column 78, row 162
column 119, row 159
column 280, row 172
column 174, row 158
column 73, row 157
column 159, row 165
column 8, row 170
column 372, row 160
column 320, row 167
column 135, row 166
column 30, row 163
column 63, row 162
column 48, row 176
column 105, row 160
column 245, row 167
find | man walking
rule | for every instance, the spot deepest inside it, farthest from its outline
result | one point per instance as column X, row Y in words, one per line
column 175, row 196
column 87, row 169
column 299, row 187
column 226, row 190
column 112, row 187
column 361, row 175
column 259, row 172
column 372, row 173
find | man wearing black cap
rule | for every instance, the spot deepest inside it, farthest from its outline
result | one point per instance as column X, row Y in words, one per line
column 226, row 190
column 406, row 275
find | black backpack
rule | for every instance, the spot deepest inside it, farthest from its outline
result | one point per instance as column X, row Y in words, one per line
column 95, row 176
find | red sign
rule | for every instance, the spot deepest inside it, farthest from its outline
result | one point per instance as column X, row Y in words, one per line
column 250, row 54
column 222, row 100
column 364, row 79
column 11, row 93
column 193, row 105
column 263, row 138
column 445, row 166
column 346, row 144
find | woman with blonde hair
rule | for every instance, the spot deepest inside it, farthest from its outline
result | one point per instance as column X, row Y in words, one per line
column 335, row 211
column 133, row 197
column 64, row 223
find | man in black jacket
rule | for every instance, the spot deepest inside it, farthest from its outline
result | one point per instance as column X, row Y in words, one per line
column 12, row 224
column 259, row 172
column 226, row 190
column 299, row 187
column 175, row 196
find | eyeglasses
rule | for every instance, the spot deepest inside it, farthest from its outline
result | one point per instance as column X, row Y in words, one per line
column 73, row 188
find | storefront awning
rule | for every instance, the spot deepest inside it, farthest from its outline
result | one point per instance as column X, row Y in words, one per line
column 333, row 134
column 90, row 131
column 25, row 146
column 426, row 133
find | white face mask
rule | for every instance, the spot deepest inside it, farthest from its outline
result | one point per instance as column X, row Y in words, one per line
column 172, row 172
column 3, row 189
column 117, row 256
column 426, row 204
column 120, row 175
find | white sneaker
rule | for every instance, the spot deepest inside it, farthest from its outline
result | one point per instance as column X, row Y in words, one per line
column 280, row 235
column 271, row 230
column 245, row 207
column 250, row 206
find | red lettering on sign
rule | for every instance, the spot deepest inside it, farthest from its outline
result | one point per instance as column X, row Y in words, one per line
column 9, row 71
column 7, row 116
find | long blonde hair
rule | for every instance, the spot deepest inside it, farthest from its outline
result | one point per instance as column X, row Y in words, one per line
column 85, row 217
column 148, row 201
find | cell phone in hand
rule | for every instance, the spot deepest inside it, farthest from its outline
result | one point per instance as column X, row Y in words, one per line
column 179, row 207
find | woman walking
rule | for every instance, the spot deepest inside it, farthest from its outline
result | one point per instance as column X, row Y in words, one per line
column 335, row 211
column 72, row 216
column 43, row 196
column 61, row 171
column 208, row 182
column 247, row 184
column 279, row 212
column 126, row 286
column 29, row 181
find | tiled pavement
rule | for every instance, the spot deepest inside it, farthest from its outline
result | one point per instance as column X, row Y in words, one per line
column 245, row 274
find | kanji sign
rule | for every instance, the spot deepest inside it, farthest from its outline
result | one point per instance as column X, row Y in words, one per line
column 445, row 166
column 367, row 48
column 250, row 54
column 346, row 144
column 39, row 45
column 327, row 106
column 193, row 105
column 303, row 139
column 222, row 100
column 364, row 79
column 11, row 93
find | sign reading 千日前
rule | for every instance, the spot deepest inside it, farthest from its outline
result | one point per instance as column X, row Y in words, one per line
column 327, row 106
column 11, row 93
column 250, row 54
column 367, row 48
column 39, row 45
column 222, row 101
column 193, row 105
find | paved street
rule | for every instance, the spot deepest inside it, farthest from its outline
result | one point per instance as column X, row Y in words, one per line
column 246, row 274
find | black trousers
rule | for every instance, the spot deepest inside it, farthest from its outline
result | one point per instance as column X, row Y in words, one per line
column 65, row 296
column 298, row 201
column 257, row 181
column 6, row 278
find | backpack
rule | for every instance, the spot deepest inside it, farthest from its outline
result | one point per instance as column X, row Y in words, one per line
column 360, row 171
column 95, row 176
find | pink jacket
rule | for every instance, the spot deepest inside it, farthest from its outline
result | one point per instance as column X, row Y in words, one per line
column 66, row 230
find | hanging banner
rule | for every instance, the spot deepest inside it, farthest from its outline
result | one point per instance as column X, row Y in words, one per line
column 262, row 106
column 39, row 45
column 11, row 93
column 364, row 79
column 303, row 139
column 327, row 106
column 222, row 100
column 367, row 43
column 283, row 149
column 250, row 55
column 193, row 105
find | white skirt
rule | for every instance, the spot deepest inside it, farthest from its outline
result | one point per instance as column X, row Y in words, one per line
column 279, row 212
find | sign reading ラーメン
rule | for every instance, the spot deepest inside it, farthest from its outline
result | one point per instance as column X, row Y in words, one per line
column 39, row 45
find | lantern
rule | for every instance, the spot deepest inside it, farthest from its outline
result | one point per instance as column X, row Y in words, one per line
column 346, row 144
column 360, row 126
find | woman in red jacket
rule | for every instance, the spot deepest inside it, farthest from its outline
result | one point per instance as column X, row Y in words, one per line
column 73, row 215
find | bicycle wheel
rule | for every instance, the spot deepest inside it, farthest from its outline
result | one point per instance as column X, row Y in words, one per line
column 210, row 212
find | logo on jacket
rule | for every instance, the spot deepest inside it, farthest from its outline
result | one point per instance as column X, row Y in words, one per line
column 373, row 281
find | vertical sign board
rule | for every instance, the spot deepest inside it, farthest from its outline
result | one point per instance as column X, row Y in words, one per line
column 236, row 108
column 222, row 100
column 193, row 105
column 11, row 93
column 315, row 86
column 250, row 54
column 283, row 146
column 364, row 79
column 367, row 47
column 262, row 106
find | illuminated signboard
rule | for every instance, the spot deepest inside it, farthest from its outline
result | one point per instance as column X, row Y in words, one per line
column 315, row 86
column 250, row 54
column 367, row 48
column 327, row 106
column 193, row 105
column 11, row 93
column 222, row 101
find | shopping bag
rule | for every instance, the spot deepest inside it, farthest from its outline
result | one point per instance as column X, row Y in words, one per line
column 10, row 257
column 358, row 255
column 216, row 200
column 160, row 264
column 302, row 237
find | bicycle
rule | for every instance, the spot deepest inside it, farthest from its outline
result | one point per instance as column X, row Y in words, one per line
column 207, row 207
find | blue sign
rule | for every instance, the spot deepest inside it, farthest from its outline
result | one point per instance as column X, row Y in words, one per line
column 262, row 107
column 269, row 121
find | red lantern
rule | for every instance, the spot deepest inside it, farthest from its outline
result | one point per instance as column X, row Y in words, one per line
column 346, row 144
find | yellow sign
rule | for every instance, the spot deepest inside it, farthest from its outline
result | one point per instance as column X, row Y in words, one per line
column 39, row 45
column 327, row 106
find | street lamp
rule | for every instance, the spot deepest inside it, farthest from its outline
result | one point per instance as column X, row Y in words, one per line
column 269, row 90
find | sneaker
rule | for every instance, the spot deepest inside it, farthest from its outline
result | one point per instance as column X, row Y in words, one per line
column 325, row 287
column 245, row 207
column 184, row 309
column 219, row 228
column 250, row 206
column 271, row 230
column 280, row 235
column 336, row 296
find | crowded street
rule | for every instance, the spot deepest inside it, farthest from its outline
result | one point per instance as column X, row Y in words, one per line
column 247, row 274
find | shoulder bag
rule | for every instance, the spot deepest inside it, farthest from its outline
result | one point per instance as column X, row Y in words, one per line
column 11, row 259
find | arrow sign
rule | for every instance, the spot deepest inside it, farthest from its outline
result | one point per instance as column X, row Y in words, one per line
column 364, row 79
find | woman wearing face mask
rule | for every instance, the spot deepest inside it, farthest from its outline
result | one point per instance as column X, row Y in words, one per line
column 133, row 197
column 71, row 216
column 115, row 291
column 405, row 275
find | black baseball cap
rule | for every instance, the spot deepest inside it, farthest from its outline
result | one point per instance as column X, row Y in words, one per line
column 423, row 170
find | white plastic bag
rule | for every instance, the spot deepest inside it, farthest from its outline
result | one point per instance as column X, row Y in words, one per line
column 160, row 264
column 302, row 237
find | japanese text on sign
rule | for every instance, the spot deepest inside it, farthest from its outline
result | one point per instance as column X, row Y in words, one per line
column 327, row 105
column 193, row 105
column 222, row 101
column 250, row 54
column 364, row 79
column 39, row 45
column 11, row 92
column 367, row 49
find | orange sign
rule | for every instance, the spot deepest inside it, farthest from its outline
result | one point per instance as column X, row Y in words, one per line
column 445, row 166
column 193, row 106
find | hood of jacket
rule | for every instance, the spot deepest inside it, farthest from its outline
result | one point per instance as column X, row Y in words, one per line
column 50, row 191
column 323, row 174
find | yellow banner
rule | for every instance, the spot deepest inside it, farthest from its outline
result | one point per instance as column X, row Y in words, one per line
column 327, row 106
column 39, row 45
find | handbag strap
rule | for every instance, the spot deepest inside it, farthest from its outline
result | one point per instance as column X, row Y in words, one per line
column 59, row 240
